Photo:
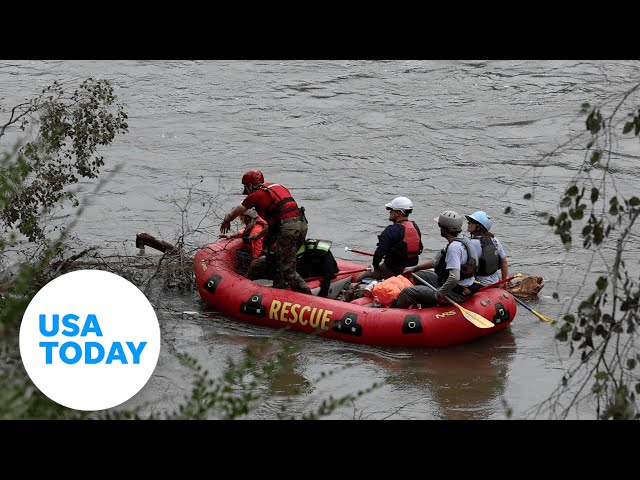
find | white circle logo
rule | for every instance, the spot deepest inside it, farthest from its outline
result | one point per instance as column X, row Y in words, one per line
column 89, row 340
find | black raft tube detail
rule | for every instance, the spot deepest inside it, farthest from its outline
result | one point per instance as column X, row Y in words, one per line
column 412, row 324
column 348, row 324
column 212, row 283
column 254, row 306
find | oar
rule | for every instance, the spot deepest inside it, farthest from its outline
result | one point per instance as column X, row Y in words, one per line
column 504, row 280
column 361, row 252
column 540, row 316
column 478, row 320
column 337, row 274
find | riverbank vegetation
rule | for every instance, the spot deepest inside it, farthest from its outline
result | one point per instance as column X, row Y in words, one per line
column 58, row 138
column 65, row 135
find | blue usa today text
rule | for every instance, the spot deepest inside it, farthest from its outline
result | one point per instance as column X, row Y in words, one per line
column 87, row 352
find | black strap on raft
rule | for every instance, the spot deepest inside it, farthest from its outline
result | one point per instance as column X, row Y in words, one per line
column 211, row 284
column 348, row 324
column 412, row 324
column 254, row 306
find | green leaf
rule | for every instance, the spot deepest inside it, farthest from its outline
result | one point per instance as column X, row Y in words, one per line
column 628, row 127
column 528, row 196
column 602, row 283
column 595, row 157
column 572, row 190
column 601, row 375
column 595, row 193
column 576, row 213
column 634, row 201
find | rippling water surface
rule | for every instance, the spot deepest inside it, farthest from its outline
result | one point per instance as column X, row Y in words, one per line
column 346, row 137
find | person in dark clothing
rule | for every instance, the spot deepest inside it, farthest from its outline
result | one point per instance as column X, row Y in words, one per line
column 400, row 244
column 314, row 259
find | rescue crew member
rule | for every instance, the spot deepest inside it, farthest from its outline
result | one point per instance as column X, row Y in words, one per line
column 399, row 244
column 287, row 225
column 314, row 259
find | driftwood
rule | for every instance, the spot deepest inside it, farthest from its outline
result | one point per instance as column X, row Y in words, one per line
column 145, row 239
column 61, row 265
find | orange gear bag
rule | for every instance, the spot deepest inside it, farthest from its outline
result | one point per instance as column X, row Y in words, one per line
column 389, row 289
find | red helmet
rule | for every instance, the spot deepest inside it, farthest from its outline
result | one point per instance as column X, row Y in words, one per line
column 253, row 177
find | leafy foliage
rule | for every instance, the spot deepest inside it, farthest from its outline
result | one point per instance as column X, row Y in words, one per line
column 34, row 178
column 605, row 327
column 71, row 129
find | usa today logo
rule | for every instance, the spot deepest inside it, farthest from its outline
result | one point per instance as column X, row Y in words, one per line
column 89, row 340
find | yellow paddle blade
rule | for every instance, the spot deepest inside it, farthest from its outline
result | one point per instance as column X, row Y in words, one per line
column 539, row 315
column 478, row 320
column 542, row 317
column 473, row 317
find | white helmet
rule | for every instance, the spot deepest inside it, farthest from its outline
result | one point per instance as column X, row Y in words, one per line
column 400, row 203
column 450, row 220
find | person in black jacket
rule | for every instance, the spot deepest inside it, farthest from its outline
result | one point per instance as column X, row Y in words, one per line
column 399, row 245
column 314, row 259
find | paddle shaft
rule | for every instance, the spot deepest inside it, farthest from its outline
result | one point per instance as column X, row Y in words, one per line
column 339, row 273
column 504, row 280
column 361, row 252
column 540, row 316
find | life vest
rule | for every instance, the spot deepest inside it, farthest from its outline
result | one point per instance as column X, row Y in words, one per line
column 409, row 247
column 467, row 270
column 489, row 261
column 254, row 247
column 282, row 205
column 314, row 247
column 389, row 289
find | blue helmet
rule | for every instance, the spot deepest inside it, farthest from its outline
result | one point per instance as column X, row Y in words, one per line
column 482, row 218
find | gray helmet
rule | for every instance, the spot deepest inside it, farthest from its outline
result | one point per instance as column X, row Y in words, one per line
column 450, row 220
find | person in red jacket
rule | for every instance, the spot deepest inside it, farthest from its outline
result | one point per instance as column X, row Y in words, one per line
column 253, row 233
column 287, row 225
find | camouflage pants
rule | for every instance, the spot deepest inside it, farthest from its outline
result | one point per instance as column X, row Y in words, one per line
column 290, row 238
